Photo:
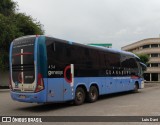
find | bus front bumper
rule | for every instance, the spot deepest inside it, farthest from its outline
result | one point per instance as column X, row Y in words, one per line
column 142, row 85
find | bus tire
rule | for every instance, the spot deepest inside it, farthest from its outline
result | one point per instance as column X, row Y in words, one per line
column 136, row 87
column 79, row 96
column 92, row 94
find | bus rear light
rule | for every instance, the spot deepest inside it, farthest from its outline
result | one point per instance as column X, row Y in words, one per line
column 40, row 84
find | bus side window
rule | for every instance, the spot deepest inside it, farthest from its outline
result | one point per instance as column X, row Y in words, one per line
column 56, row 52
column 129, row 63
column 94, row 59
column 107, row 63
column 68, row 53
column 114, row 59
column 54, row 47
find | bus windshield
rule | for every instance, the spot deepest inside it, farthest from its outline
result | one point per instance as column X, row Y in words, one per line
column 23, row 70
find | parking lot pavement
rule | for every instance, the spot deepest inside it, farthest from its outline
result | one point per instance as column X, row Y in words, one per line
column 149, row 84
column 144, row 103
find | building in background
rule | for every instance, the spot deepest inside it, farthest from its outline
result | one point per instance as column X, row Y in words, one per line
column 107, row 45
column 151, row 47
column 4, row 79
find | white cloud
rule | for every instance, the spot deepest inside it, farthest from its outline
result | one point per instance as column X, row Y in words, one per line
column 139, row 30
column 121, row 32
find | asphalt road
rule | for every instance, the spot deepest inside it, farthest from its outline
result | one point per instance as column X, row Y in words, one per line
column 144, row 103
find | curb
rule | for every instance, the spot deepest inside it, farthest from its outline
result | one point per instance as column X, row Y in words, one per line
column 4, row 90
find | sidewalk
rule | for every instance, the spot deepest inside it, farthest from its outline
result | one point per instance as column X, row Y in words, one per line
column 151, row 84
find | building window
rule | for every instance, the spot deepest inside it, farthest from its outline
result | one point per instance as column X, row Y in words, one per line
column 151, row 77
column 148, row 65
column 145, row 46
column 135, row 49
column 154, row 45
column 154, row 64
column 154, row 77
column 147, row 76
column 154, row 55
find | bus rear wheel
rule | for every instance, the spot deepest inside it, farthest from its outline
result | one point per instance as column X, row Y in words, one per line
column 93, row 94
column 79, row 96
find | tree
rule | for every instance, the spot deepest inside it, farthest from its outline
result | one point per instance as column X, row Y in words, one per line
column 13, row 25
column 7, row 7
column 26, row 24
column 144, row 58
column 7, row 33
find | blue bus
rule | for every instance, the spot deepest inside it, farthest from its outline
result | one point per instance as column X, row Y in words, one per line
column 45, row 69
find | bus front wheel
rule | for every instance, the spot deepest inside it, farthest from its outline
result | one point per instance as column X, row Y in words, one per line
column 79, row 96
column 136, row 87
column 93, row 94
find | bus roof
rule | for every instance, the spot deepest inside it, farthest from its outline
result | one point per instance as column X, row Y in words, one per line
column 23, row 37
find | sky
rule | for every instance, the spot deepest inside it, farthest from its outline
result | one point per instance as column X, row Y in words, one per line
column 120, row 22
